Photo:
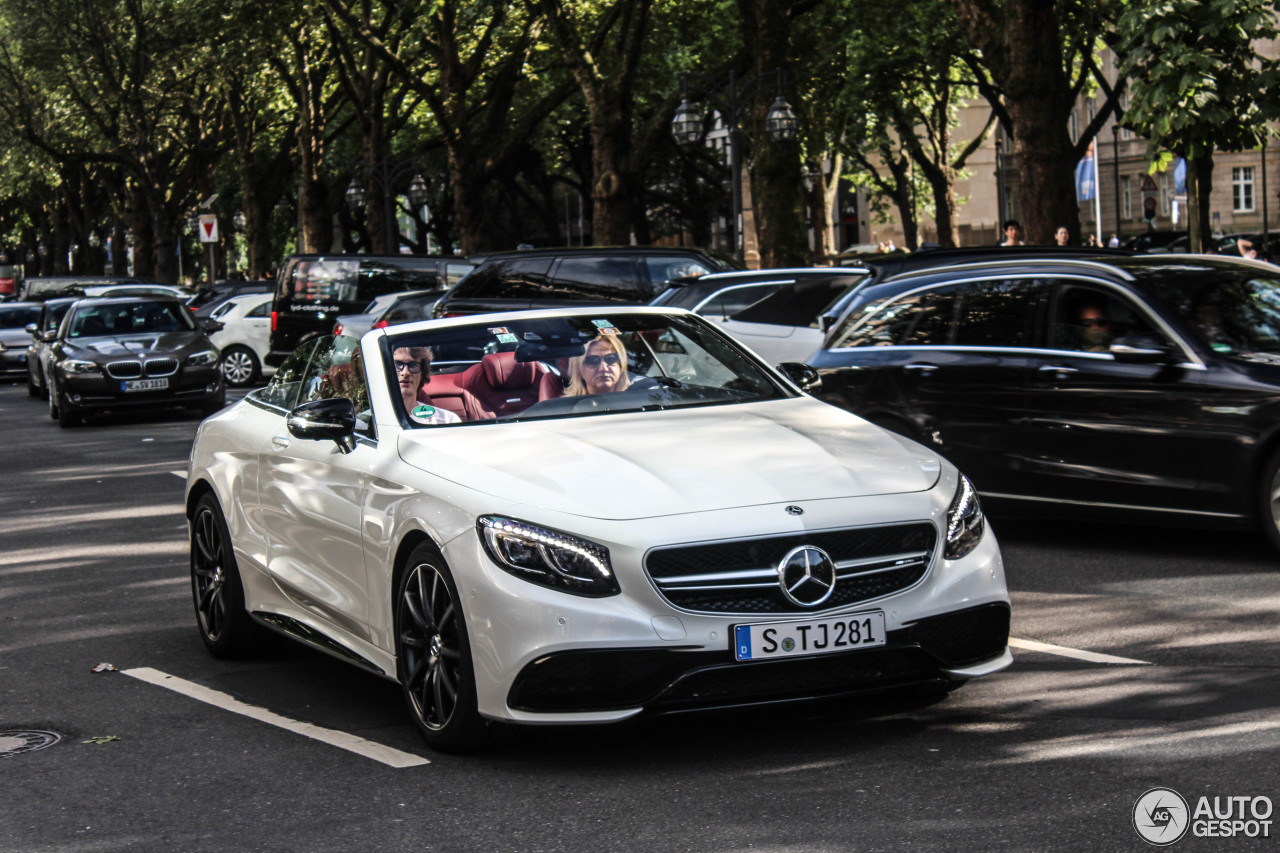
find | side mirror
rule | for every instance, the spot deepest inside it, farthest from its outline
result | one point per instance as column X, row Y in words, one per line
column 1141, row 349
column 49, row 336
column 332, row 418
column 31, row 329
column 211, row 326
column 804, row 376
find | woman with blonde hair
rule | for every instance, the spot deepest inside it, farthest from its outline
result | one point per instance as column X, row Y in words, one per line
column 600, row 369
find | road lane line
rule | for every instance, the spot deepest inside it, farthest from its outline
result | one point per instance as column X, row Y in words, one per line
column 384, row 754
column 1078, row 654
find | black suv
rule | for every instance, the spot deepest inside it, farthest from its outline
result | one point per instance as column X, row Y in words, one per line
column 562, row 278
column 314, row 289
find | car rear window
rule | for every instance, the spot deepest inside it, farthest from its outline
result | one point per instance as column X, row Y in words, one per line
column 517, row 278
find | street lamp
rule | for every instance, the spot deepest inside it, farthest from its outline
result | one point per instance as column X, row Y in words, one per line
column 731, row 98
column 1000, row 211
column 238, row 220
column 385, row 174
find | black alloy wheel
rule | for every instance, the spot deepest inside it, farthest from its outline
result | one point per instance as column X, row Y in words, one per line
column 433, row 655
column 225, row 626
column 60, row 410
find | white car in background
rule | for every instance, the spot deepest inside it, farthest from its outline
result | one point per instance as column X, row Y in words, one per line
column 244, row 337
column 433, row 502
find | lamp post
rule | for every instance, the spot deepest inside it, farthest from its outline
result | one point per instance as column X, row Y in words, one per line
column 730, row 98
column 1000, row 211
column 1115, row 167
column 386, row 173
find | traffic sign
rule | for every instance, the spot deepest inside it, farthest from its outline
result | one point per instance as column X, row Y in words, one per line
column 208, row 228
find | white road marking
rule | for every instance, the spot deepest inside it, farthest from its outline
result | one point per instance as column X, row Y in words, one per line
column 1078, row 654
column 384, row 754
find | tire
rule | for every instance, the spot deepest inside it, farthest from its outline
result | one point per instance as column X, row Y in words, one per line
column 433, row 656
column 1269, row 500
column 32, row 388
column 240, row 366
column 60, row 410
column 216, row 590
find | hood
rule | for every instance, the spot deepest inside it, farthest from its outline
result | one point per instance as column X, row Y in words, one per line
column 648, row 464
column 123, row 346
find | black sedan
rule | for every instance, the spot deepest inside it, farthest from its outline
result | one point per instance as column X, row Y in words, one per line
column 1144, row 386
column 131, row 352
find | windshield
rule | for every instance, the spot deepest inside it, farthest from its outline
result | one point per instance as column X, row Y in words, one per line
column 568, row 367
column 120, row 317
column 1236, row 314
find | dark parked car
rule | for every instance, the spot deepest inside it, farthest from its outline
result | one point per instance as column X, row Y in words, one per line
column 556, row 278
column 50, row 287
column 14, row 337
column 210, row 296
column 388, row 310
column 131, row 352
column 1153, row 241
column 1139, row 386
column 43, row 332
column 314, row 289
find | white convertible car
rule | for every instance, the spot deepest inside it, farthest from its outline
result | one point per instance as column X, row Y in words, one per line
column 579, row 516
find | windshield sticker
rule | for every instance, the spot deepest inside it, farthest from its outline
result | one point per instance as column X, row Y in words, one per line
column 423, row 412
column 605, row 327
column 508, row 339
column 499, row 330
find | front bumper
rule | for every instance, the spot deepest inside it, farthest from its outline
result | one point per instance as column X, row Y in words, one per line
column 931, row 651
column 13, row 363
column 189, row 387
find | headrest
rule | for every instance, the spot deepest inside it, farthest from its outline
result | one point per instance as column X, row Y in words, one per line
column 502, row 371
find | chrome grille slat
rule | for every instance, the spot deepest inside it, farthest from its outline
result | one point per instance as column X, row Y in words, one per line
column 161, row 366
column 741, row 576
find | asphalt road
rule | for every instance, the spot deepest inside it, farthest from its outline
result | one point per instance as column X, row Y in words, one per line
column 1146, row 658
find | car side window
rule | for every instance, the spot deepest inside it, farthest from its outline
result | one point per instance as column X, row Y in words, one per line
column 282, row 390
column 518, row 278
column 263, row 310
column 995, row 313
column 663, row 270
column 336, row 370
column 731, row 300
column 605, row 277
column 923, row 318
column 1088, row 319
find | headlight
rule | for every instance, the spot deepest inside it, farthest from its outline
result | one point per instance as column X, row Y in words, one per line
column 208, row 356
column 546, row 557
column 965, row 521
column 75, row 366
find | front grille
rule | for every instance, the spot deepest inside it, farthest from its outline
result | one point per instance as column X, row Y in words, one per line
column 742, row 576
column 162, row 366
column 124, row 369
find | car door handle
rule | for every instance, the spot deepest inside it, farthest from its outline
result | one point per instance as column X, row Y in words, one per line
column 280, row 441
column 1057, row 369
column 920, row 367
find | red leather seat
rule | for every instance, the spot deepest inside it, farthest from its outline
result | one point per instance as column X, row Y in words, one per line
column 505, row 386
column 443, row 392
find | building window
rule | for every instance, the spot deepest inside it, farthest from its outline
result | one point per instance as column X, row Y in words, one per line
column 1126, row 198
column 1242, row 196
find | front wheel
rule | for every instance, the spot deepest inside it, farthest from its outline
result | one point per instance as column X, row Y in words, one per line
column 433, row 655
column 62, row 411
column 225, row 625
column 240, row 366
column 1269, row 500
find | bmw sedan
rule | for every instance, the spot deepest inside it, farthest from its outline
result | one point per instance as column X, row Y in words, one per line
column 581, row 516
column 1143, row 387
column 131, row 352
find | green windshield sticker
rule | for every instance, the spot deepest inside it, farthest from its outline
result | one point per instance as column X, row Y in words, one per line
column 423, row 412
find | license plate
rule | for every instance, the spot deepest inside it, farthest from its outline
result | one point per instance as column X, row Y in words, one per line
column 813, row 637
column 144, row 385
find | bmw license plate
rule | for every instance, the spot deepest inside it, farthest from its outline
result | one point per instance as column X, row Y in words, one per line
column 769, row 640
column 144, row 384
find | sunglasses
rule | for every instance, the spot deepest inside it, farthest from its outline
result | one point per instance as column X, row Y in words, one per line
column 594, row 360
column 414, row 367
column 1094, row 322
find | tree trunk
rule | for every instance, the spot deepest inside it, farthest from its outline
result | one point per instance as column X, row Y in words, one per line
column 610, row 192
column 1199, row 189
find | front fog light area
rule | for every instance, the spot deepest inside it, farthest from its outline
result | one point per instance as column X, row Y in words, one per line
column 547, row 557
column 965, row 521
